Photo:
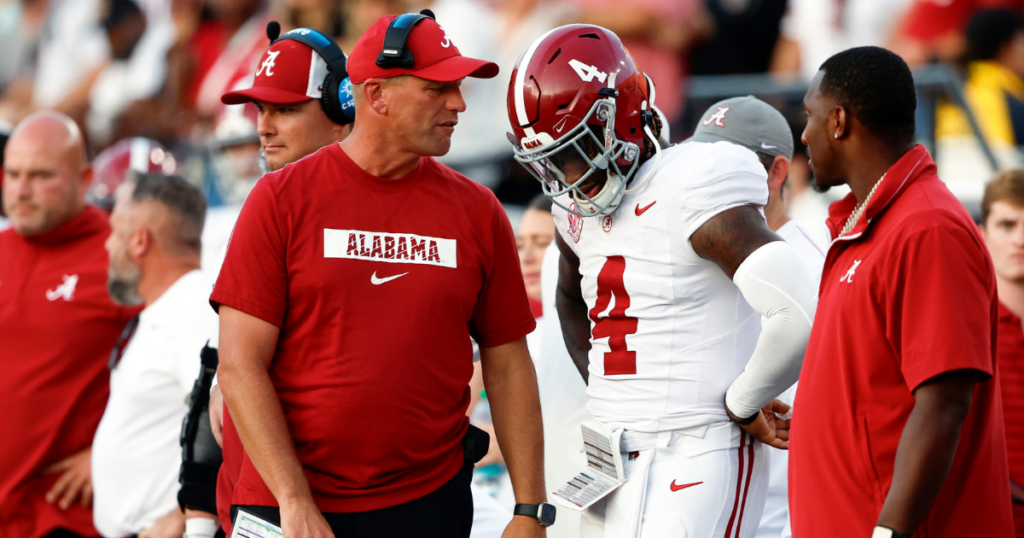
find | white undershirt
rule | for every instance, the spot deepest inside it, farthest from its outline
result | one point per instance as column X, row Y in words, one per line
column 811, row 248
column 136, row 452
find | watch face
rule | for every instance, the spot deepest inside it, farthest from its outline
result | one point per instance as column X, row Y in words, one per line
column 546, row 514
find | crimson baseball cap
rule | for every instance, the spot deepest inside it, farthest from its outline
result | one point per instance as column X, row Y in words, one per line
column 289, row 72
column 435, row 56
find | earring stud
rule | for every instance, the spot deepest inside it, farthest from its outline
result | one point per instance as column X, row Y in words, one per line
column 837, row 135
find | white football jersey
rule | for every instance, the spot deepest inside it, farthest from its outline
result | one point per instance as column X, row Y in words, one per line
column 669, row 330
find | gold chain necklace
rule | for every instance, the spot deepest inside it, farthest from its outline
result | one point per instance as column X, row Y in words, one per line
column 859, row 210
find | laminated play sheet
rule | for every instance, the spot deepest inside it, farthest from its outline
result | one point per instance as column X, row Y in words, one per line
column 604, row 473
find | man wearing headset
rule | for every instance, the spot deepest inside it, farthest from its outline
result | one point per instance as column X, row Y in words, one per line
column 304, row 104
column 351, row 287
column 297, row 117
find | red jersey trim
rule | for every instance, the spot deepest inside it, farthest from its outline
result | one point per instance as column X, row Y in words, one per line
column 739, row 486
column 746, row 487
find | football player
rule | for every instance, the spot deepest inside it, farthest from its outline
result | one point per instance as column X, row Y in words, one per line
column 667, row 266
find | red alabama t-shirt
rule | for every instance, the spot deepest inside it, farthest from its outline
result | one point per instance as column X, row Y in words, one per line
column 909, row 294
column 377, row 286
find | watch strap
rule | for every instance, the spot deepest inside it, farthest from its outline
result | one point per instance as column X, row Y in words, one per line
column 882, row 531
column 749, row 419
column 529, row 510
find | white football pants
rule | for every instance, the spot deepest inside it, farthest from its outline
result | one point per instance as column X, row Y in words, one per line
column 703, row 482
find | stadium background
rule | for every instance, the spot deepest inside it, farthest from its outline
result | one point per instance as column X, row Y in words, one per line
column 157, row 68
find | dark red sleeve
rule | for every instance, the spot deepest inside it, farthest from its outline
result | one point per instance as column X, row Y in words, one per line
column 254, row 277
column 502, row 312
column 942, row 300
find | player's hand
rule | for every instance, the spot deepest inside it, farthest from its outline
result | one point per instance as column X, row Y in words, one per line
column 170, row 525
column 524, row 527
column 302, row 519
column 216, row 409
column 767, row 427
column 75, row 481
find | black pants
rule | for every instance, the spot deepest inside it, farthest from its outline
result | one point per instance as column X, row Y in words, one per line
column 445, row 513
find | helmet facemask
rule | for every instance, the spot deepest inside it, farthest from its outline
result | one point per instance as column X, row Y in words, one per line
column 579, row 156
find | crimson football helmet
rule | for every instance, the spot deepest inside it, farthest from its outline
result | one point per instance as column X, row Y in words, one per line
column 579, row 109
column 111, row 167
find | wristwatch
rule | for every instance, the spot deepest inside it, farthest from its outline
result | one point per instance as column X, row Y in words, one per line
column 886, row 532
column 544, row 513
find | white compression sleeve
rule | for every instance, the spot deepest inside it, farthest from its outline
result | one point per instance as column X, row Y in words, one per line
column 775, row 282
column 200, row 527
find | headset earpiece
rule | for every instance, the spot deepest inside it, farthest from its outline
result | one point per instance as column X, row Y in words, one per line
column 336, row 89
column 336, row 99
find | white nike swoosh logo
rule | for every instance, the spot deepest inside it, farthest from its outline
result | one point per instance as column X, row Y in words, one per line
column 766, row 146
column 378, row 281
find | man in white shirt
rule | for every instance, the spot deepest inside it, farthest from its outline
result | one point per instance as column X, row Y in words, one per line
column 755, row 125
column 154, row 249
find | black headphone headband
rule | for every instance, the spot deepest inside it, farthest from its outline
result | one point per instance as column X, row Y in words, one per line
column 393, row 54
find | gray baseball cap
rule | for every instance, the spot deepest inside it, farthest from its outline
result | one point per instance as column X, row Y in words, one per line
column 748, row 122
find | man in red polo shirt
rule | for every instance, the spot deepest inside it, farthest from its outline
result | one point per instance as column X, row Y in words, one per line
column 57, row 328
column 353, row 282
column 1002, row 226
column 898, row 423
column 287, row 90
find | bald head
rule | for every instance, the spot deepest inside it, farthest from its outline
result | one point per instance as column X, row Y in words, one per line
column 46, row 174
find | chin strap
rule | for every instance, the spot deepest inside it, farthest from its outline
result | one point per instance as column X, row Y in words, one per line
column 654, row 169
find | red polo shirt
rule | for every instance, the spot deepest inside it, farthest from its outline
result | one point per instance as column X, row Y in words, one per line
column 377, row 286
column 57, row 327
column 1011, row 381
column 909, row 294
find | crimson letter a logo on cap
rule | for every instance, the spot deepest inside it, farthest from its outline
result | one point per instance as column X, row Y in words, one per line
column 718, row 118
column 268, row 64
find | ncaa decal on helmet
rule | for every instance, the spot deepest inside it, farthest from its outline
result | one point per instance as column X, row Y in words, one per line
column 579, row 108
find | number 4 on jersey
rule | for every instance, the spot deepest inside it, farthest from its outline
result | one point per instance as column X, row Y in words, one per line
column 587, row 72
column 616, row 325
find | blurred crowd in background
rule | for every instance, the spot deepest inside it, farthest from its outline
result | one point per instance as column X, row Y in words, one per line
column 143, row 79
column 157, row 68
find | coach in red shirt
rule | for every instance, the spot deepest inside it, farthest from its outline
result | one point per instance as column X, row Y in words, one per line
column 1002, row 226
column 353, row 282
column 898, row 427
column 57, row 328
